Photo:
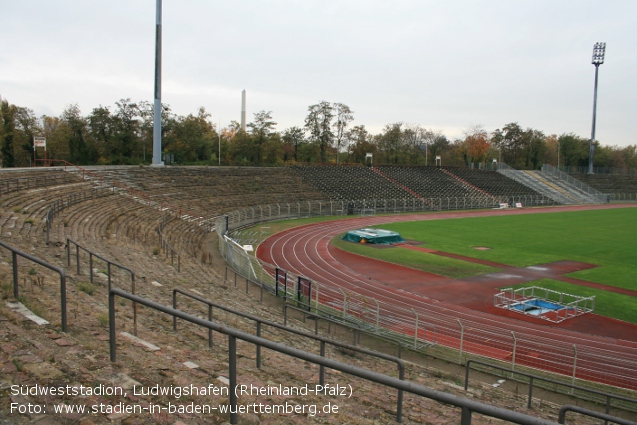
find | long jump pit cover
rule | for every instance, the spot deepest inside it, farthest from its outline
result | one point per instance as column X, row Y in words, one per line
column 376, row 236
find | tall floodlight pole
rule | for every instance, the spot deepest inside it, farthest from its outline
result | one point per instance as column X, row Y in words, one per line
column 243, row 110
column 157, row 119
column 599, row 49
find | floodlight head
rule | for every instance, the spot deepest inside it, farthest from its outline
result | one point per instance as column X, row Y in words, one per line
column 599, row 49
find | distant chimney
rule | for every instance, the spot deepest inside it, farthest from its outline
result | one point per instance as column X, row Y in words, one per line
column 243, row 110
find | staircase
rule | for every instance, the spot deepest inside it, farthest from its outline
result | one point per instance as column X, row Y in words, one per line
column 553, row 186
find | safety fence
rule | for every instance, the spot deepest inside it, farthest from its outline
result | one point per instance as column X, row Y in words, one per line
column 622, row 196
column 549, row 169
column 322, row 340
column 109, row 269
column 263, row 213
column 15, row 253
column 434, row 329
column 599, row 397
column 467, row 406
column 29, row 182
column 167, row 247
column 70, row 200
column 599, row 170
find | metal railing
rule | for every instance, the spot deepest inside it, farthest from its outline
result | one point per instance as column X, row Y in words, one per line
column 15, row 253
column 108, row 262
column 467, row 406
column 323, row 341
column 607, row 418
column 599, row 170
column 356, row 330
column 607, row 396
column 72, row 199
column 85, row 173
column 29, row 182
column 166, row 247
column 284, row 211
column 549, row 169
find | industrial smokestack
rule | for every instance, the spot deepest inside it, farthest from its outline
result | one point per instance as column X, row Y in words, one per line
column 243, row 110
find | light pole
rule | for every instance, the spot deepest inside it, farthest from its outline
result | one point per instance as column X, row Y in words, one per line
column 599, row 50
column 219, row 141
column 157, row 106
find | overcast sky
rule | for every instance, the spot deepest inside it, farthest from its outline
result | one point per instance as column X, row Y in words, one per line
column 445, row 65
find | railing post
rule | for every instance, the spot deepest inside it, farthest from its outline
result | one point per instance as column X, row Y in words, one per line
column 90, row 265
column 574, row 365
column 63, row 299
column 415, row 330
column 465, row 419
column 528, row 406
column 108, row 267
column 515, row 343
column 209, row 330
column 232, row 372
column 321, row 367
column 77, row 259
column 111, row 326
column 461, row 342
column 14, row 257
column 258, row 346
column 399, row 402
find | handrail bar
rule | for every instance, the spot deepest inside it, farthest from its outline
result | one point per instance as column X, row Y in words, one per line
column 7, row 182
column 323, row 340
column 467, row 406
column 68, row 164
column 163, row 243
column 607, row 418
column 550, row 381
column 108, row 262
column 69, row 241
column 351, row 326
column 14, row 254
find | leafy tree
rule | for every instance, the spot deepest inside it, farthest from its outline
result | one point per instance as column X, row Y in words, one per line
column 8, row 131
column 344, row 116
column 573, row 150
column 78, row 148
column 261, row 129
column 391, row 143
column 126, row 125
column 319, row 125
column 361, row 142
column 293, row 137
column 194, row 136
column 437, row 144
column 475, row 145
column 57, row 133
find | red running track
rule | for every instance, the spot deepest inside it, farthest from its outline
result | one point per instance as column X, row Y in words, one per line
column 604, row 350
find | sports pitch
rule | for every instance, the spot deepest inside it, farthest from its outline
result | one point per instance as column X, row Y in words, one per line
column 604, row 238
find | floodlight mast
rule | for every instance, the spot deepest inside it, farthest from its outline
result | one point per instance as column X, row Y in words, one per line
column 599, row 51
column 157, row 162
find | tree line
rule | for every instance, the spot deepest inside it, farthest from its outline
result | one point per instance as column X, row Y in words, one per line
column 123, row 135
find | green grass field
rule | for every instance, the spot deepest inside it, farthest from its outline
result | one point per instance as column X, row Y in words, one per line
column 443, row 266
column 607, row 238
